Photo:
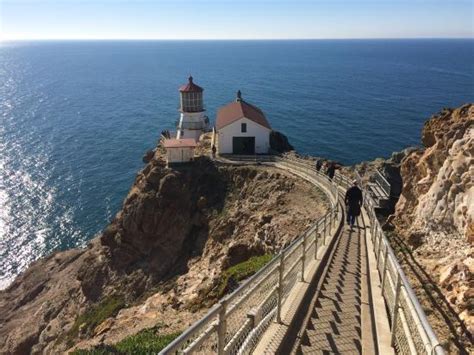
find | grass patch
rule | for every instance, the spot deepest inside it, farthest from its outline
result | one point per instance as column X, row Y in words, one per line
column 101, row 350
column 145, row 342
column 89, row 320
column 239, row 272
column 228, row 281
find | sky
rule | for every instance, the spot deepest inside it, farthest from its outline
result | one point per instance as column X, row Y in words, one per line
column 235, row 19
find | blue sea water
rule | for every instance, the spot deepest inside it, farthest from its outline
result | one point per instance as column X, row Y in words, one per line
column 76, row 117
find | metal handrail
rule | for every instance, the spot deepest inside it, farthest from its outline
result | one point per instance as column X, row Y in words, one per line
column 382, row 182
column 239, row 296
column 421, row 316
column 192, row 335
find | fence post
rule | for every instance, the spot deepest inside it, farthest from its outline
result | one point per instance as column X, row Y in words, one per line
column 395, row 310
column 316, row 241
column 303, row 258
column 222, row 328
column 375, row 236
column 325, row 227
column 379, row 248
column 281, row 270
column 384, row 272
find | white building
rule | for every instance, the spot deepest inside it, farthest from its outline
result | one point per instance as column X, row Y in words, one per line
column 193, row 121
column 242, row 128
column 179, row 150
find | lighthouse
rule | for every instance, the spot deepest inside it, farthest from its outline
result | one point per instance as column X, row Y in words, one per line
column 193, row 120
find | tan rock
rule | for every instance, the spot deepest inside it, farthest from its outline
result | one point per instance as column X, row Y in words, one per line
column 104, row 326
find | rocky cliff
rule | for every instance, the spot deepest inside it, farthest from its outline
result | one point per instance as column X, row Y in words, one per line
column 160, row 259
column 435, row 212
column 431, row 227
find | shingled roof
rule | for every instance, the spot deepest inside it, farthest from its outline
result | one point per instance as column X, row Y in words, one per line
column 191, row 87
column 240, row 109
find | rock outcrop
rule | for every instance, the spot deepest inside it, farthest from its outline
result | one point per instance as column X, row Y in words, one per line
column 435, row 213
column 177, row 231
column 279, row 142
column 438, row 189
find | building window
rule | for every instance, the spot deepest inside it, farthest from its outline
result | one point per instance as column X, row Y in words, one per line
column 244, row 127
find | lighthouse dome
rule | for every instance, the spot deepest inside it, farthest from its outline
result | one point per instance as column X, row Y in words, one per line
column 191, row 86
column 191, row 97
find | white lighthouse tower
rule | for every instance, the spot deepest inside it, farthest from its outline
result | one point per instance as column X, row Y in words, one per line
column 193, row 120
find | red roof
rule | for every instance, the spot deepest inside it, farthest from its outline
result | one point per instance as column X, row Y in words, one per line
column 191, row 87
column 180, row 143
column 239, row 109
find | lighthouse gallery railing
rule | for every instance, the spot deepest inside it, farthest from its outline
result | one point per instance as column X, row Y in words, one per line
column 237, row 322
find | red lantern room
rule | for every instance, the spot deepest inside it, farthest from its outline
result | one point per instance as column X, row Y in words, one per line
column 191, row 98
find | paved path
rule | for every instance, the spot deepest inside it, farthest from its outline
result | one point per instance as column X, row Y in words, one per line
column 335, row 323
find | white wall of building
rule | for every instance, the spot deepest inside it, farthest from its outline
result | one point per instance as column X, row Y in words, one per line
column 179, row 155
column 191, row 124
column 261, row 134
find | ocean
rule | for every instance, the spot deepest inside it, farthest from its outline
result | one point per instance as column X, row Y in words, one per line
column 76, row 117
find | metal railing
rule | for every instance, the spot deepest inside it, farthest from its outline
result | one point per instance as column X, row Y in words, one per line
column 411, row 332
column 410, row 329
column 382, row 182
column 237, row 322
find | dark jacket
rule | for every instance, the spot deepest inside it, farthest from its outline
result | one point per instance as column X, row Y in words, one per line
column 319, row 164
column 353, row 200
column 331, row 171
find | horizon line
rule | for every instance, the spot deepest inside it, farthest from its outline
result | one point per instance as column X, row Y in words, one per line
column 230, row 39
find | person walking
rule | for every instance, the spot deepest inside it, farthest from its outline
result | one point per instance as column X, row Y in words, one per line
column 353, row 201
column 331, row 170
column 319, row 164
column 214, row 150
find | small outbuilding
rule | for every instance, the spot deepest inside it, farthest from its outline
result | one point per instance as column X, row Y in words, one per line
column 242, row 128
column 179, row 150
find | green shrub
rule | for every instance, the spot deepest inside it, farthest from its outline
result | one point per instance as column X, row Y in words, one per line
column 241, row 271
column 145, row 342
column 109, row 307
column 100, row 350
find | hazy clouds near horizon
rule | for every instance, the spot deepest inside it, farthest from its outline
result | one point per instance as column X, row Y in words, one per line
column 226, row 19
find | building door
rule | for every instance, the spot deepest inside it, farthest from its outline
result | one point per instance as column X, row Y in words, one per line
column 243, row 145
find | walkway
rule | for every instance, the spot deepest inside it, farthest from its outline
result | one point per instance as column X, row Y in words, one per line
column 328, row 292
column 335, row 323
column 338, row 319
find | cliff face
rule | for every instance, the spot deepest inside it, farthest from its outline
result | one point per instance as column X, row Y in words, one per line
column 438, row 190
column 177, row 231
column 435, row 212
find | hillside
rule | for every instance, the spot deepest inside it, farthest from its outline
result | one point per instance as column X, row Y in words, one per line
column 161, row 260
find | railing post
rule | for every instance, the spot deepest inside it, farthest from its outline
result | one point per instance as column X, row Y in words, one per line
column 375, row 236
column 281, row 270
column 303, row 258
column 384, row 272
column 316, row 241
column 222, row 328
column 395, row 310
column 379, row 248
column 330, row 222
column 325, row 228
